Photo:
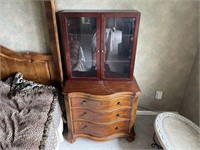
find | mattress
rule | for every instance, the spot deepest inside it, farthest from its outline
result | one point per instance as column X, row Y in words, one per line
column 54, row 135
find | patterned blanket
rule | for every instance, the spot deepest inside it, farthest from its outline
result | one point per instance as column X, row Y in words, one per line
column 25, row 112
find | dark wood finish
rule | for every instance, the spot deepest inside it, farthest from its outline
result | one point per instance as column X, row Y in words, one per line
column 66, row 48
column 100, row 16
column 102, row 47
column 134, row 14
column 35, row 67
column 50, row 10
column 98, row 87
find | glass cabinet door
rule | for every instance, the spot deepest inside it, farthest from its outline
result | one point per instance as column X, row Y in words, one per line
column 118, row 46
column 99, row 45
column 82, row 39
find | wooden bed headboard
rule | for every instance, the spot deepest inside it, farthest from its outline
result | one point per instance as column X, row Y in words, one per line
column 34, row 66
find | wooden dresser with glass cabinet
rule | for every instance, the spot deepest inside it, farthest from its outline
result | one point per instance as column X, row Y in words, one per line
column 98, row 55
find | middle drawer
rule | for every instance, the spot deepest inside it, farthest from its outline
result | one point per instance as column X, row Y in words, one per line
column 101, row 115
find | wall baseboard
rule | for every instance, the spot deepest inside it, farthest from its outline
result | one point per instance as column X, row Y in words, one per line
column 144, row 112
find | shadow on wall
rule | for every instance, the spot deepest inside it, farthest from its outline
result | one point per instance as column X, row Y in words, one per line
column 190, row 103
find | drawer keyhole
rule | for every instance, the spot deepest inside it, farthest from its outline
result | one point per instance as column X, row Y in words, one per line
column 119, row 103
column 83, row 102
column 117, row 115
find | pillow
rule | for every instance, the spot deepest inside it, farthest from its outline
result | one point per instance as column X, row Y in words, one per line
column 20, row 86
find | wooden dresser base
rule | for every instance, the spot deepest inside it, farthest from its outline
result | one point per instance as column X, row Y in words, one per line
column 101, row 110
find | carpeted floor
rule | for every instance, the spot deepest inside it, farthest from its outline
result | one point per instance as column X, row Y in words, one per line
column 144, row 138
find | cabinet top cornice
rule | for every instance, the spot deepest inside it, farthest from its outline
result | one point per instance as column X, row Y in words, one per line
column 99, row 11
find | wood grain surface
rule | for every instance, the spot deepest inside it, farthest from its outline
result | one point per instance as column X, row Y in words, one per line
column 34, row 66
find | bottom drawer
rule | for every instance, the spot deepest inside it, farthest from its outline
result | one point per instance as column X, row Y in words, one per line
column 98, row 130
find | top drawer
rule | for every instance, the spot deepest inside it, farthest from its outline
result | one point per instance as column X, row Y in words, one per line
column 104, row 102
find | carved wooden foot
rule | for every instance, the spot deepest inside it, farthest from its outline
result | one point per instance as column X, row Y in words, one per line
column 131, row 137
column 70, row 138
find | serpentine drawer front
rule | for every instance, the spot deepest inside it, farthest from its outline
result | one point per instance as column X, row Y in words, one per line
column 101, row 130
column 103, row 116
column 92, row 103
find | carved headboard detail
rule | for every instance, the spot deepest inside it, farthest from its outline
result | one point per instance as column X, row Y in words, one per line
column 34, row 66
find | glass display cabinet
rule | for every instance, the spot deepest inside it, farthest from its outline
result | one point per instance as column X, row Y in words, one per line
column 100, row 46
column 98, row 54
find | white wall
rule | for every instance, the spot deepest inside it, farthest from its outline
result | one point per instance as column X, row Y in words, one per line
column 23, row 26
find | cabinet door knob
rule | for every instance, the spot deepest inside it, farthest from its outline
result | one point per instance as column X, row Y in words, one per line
column 83, row 102
column 119, row 103
column 102, row 51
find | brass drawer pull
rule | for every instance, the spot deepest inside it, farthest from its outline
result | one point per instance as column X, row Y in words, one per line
column 116, row 128
column 84, row 114
column 85, row 127
column 83, row 102
column 119, row 103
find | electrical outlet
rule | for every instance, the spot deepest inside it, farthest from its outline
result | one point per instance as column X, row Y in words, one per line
column 158, row 95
